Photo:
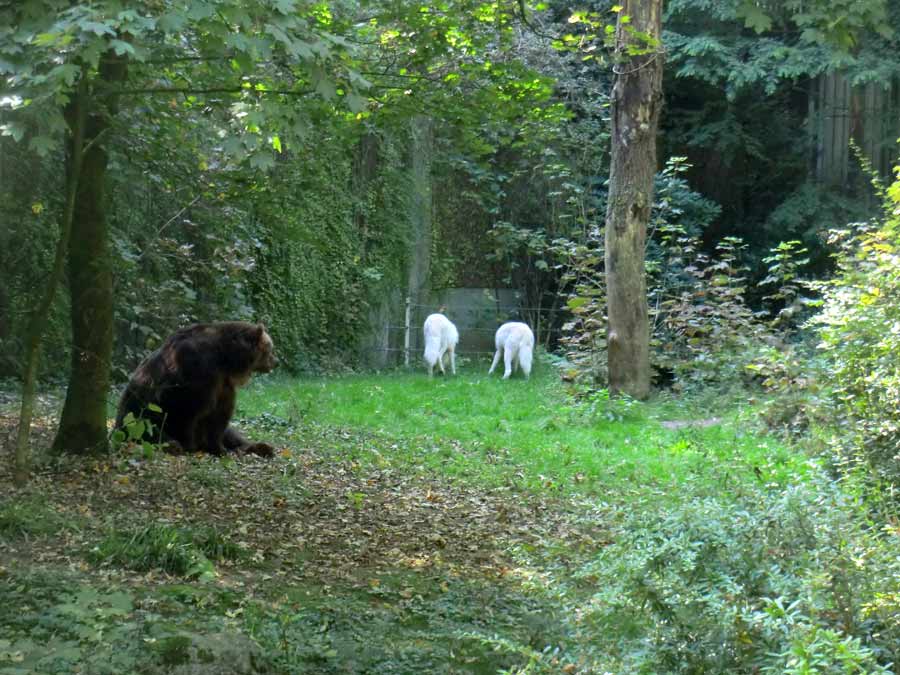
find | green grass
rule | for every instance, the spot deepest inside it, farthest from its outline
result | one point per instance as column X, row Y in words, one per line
column 399, row 624
column 31, row 517
column 522, row 432
column 160, row 546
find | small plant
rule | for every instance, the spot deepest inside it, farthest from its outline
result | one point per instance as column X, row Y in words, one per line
column 703, row 329
column 598, row 405
column 784, row 276
column 791, row 379
column 773, row 581
column 134, row 431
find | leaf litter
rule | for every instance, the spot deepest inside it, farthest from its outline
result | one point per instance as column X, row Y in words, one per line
column 308, row 514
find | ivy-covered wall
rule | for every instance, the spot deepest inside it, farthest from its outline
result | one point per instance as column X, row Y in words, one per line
column 331, row 246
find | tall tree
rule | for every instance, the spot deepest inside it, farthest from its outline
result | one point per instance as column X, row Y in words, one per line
column 636, row 100
column 82, row 426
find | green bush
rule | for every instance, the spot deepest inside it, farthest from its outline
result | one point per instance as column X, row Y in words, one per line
column 704, row 331
column 859, row 340
column 786, row 581
column 318, row 272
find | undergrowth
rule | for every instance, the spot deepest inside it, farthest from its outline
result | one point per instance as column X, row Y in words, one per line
column 455, row 525
column 29, row 518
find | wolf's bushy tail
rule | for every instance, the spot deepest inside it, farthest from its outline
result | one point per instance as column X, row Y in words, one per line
column 525, row 354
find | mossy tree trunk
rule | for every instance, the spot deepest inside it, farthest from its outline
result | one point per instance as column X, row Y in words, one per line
column 82, row 427
column 636, row 101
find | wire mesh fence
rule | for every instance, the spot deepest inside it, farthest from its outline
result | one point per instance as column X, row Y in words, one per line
column 405, row 341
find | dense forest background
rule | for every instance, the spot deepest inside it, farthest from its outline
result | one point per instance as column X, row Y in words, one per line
column 476, row 131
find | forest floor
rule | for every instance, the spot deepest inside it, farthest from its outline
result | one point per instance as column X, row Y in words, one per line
column 405, row 526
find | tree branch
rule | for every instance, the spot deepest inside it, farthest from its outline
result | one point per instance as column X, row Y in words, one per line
column 212, row 90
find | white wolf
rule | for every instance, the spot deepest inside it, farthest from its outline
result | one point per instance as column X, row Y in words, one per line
column 441, row 337
column 516, row 342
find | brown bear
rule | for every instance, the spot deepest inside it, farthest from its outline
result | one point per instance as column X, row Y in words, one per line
column 193, row 379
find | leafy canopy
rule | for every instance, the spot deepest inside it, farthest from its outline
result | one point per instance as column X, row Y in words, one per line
column 252, row 56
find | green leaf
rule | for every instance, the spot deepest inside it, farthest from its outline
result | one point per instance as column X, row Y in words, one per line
column 96, row 27
column 120, row 47
column 575, row 303
column 325, row 88
column 262, row 160
column 46, row 39
column 65, row 72
column 355, row 102
column 754, row 17
column 285, row 6
column 42, row 145
column 200, row 9
column 14, row 129
column 172, row 22
column 358, row 80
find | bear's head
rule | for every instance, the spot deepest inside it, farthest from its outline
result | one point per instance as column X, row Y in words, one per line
column 264, row 360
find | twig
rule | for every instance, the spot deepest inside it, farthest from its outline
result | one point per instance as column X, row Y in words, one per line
column 170, row 221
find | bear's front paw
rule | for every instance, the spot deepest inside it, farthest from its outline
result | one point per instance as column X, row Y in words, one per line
column 261, row 449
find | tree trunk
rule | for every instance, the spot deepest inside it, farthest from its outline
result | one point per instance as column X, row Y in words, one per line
column 421, row 148
column 82, row 426
column 38, row 322
column 636, row 101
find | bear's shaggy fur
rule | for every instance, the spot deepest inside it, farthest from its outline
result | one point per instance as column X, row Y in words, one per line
column 193, row 378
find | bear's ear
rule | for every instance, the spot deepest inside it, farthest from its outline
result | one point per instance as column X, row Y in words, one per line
column 259, row 332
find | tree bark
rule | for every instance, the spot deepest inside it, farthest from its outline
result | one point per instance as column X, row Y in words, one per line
column 82, row 426
column 636, row 102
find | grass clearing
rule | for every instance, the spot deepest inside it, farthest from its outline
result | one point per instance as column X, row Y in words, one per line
column 32, row 517
column 528, row 433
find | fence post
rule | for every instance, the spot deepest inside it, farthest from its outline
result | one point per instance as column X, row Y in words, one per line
column 406, row 326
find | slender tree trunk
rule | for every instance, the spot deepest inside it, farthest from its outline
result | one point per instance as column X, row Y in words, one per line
column 421, row 148
column 38, row 322
column 636, row 101
column 82, row 426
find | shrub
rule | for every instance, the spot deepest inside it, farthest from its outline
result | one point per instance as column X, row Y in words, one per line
column 704, row 331
column 784, row 581
column 859, row 340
